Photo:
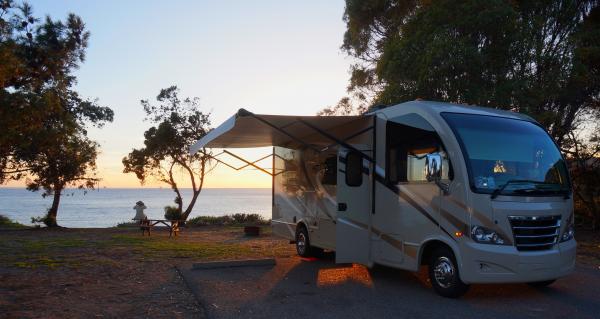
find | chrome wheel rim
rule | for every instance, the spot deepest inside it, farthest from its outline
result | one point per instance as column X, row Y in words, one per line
column 301, row 243
column 444, row 272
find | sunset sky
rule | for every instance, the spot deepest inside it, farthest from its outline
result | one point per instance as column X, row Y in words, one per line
column 277, row 57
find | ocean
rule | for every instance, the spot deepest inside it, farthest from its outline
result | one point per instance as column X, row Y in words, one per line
column 106, row 207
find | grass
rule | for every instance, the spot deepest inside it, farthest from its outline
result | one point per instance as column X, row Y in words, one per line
column 75, row 249
column 40, row 252
column 151, row 246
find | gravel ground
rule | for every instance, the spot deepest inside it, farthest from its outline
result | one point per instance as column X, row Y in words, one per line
column 113, row 273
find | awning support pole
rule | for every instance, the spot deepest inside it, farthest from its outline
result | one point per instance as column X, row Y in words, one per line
column 349, row 137
column 295, row 138
column 248, row 162
column 333, row 138
column 244, row 112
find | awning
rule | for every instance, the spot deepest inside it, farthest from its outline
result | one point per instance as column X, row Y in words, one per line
column 246, row 130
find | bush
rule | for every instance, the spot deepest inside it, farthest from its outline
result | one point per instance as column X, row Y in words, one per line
column 172, row 213
column 46, row 220
column 235, row 219
column 127, row 224
column 7, row 223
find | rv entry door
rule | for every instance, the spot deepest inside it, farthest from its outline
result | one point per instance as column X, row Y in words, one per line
column 354, row 206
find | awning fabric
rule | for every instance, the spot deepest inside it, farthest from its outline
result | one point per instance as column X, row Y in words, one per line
column 246, row 130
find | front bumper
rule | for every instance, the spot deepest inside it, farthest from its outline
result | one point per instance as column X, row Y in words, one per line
column 481, row 263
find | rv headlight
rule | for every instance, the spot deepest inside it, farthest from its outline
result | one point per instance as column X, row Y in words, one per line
column 569, row 233
column 486, row 236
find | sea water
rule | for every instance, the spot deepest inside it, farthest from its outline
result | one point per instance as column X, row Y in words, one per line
column 106, row 207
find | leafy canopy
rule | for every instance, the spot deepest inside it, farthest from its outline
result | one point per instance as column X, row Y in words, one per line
column 177, row 124
column 535, row 57
column 37, row 60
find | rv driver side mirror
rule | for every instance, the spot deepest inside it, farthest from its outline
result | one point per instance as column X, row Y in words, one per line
column 433, row 171
column 433, row 167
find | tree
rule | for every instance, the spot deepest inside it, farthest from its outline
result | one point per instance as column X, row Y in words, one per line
column 69, row 162
column 584, row 161
column 540, row 58
column 36, row 64
column 43, row 119
column 177, row 125
column 343, row 107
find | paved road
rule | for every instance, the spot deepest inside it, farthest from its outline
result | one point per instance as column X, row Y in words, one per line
column 297, row 288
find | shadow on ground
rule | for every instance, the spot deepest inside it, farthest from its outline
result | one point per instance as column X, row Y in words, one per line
column 305, row 288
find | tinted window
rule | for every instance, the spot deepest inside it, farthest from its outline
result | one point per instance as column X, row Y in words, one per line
column 499, row 150
column 354, row 169
column 330, row 173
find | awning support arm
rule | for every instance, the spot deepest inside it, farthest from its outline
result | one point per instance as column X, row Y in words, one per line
column 333, row 138
column 248, row 163
column 243, row 112
column 349, row 137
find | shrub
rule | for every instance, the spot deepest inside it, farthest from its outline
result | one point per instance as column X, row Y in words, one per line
column 172, row 213
column 127, row 224
column 8, row 223
column 235, row 219
column 46, row 220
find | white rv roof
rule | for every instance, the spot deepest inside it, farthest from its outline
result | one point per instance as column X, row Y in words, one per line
column 245, row 130
column 439, row 107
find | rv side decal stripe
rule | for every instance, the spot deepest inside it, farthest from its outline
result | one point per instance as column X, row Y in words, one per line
column 412, row 202
column 387, row 238
column 449, row 217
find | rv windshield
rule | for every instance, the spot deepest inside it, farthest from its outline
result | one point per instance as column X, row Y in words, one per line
column 509, row 156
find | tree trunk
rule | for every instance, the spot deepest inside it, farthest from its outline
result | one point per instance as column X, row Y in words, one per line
column 188, row 210
column 195, row 189
column 53, row 211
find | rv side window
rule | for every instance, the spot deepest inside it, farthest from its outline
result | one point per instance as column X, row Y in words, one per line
column 353, row 169
column 409, row 138
column 330, row 171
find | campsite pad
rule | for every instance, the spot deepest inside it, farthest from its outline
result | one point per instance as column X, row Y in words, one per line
column 313, row 288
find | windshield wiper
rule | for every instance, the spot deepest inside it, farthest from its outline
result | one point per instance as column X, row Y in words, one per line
column 500, row 189
column 497, row 191
column 541, row 191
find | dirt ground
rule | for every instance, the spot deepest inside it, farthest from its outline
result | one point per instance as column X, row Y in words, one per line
column 117, row 273
column 113, row 273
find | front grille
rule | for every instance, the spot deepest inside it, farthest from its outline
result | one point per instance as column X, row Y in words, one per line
column 535, row 232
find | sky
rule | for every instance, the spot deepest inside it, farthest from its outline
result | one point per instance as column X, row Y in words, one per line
column 270, row 57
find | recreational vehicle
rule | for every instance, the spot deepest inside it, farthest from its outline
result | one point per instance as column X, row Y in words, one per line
column 477, row 194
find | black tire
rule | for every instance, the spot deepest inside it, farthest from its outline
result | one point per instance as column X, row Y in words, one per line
column 444, row 275
column 303, row 242
column 541, row 284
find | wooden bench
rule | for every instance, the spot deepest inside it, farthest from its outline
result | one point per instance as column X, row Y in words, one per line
column 147, row 224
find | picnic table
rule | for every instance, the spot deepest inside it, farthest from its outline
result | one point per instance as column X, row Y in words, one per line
column 147, row 224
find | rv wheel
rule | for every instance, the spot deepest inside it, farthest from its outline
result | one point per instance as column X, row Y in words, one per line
column 302, row 242
column 443, row 274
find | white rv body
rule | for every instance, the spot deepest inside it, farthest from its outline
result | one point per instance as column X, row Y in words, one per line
column 390, row 214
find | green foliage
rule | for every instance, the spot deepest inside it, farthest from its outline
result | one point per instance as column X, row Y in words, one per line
column 539, row 58
column 178, row 123
column 127, row 224
column 155, row 245
column 5, row 222
column 37, row 61
column 235, row 219
column 45, row 219
column 172, row 213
